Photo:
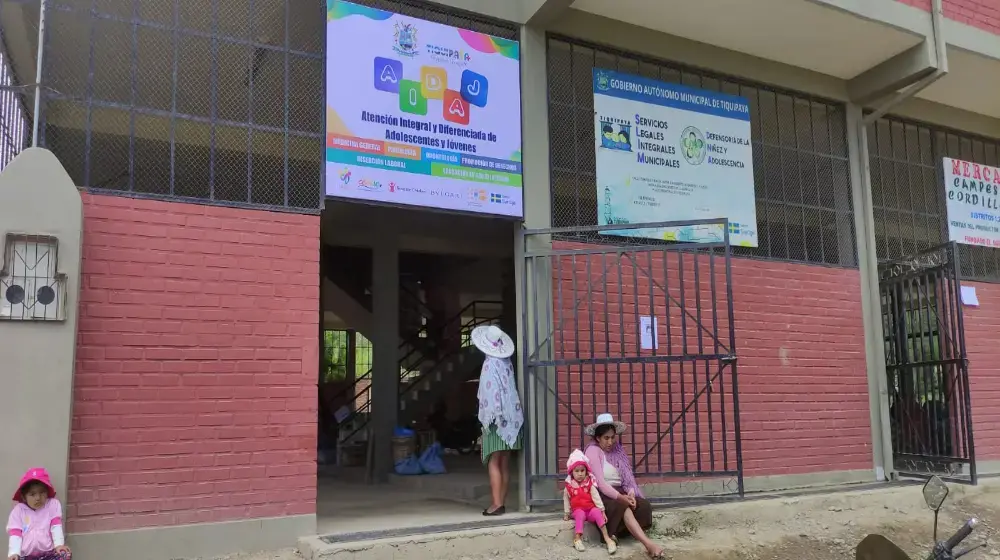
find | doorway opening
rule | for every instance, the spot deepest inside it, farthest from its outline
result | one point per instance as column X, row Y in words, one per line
column 927, row 369
column 455, row 273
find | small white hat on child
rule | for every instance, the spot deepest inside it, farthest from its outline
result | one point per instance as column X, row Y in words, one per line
column 576, row 459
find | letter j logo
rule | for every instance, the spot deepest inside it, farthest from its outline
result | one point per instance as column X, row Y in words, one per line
column 475, row 88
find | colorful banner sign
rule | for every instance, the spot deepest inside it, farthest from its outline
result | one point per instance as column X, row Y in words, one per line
column 421, row 114
column 667, row 152
column 971, row 191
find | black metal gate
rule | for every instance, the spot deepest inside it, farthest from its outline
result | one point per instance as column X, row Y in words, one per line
column 927, row 370
column 640, row 328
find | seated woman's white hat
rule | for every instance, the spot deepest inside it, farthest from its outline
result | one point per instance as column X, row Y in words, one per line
column 606, row 419
column 492, row 341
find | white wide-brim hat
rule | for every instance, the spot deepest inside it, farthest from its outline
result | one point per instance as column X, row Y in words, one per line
column 606, row 419
column 492, row 341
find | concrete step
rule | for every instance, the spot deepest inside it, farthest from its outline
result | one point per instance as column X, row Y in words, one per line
column 466, row 488
column 502, row 535
column 791, row 514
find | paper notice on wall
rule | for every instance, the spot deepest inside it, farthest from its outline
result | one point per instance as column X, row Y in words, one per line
column 969, row 296
column 648, row 340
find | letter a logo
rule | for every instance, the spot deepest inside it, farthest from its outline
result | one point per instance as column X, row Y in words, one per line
column 456, row 109
column 388, row 75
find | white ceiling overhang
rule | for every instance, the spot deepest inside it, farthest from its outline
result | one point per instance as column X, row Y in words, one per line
column 840, row 38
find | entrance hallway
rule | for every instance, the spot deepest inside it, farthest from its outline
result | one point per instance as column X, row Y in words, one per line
column 402, row 291
column 346, row 505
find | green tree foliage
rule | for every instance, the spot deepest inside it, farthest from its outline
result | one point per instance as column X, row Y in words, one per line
column 335, row 355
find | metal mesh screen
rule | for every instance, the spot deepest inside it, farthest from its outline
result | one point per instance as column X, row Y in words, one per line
column 17, row 91
column 216, row 100
column 908, row 194
column 801, row 172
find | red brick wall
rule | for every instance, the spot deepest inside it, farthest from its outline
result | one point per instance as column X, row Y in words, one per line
column 984, row 14
column 799, row 337
column 195, row 389
column 981, row 326
column 803, row 382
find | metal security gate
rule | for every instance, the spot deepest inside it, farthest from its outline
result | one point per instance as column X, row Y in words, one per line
column 930, row 413
column 640, row 328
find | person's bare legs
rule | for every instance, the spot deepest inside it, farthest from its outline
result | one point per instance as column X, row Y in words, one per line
column 632, row 524
column 496, row 480
column 505, row 476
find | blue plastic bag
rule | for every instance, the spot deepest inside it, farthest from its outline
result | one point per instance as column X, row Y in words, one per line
column 432, row 459
column 401, row 431
column 409, row 466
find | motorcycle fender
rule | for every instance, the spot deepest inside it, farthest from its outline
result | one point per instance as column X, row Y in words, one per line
column 877, row 547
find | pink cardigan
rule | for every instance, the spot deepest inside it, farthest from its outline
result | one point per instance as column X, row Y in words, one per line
column 597, row 459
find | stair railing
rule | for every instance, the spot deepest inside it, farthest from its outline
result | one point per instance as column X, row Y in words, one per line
column 464, row 341
column 411, row 376
column 407, row 342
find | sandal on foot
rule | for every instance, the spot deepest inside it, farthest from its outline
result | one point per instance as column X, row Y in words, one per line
column 578, row 544
column 612, row 547
column 499, row 511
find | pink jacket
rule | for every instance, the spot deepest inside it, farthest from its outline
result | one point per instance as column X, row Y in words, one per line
column 597, row 460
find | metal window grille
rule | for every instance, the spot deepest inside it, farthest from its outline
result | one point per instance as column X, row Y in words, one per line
column 213, row 100
column 15, row 120
column 800, row 156
column 205, row 100
column 908, row 194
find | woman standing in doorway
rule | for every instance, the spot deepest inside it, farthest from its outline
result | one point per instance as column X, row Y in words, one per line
column 499, row 411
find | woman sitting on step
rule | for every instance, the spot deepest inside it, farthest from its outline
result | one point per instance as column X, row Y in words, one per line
column 628, row 512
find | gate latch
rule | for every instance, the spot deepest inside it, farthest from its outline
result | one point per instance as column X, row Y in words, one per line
column 730, row 359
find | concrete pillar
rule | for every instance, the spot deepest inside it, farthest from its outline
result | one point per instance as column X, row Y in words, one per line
column 533, row 279
column 871, row 307
column 508, row 290
column 385, row 354
column 443, row 298
column 39, row 340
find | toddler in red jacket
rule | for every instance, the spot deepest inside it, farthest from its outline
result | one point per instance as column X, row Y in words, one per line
column 582, row 502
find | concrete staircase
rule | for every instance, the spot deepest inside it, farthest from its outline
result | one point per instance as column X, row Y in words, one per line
column 418, row 397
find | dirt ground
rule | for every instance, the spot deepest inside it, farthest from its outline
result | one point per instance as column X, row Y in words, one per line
column 824, row 527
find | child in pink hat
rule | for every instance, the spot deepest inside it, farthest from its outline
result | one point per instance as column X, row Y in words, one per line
column 582, row 501
column 34, row 527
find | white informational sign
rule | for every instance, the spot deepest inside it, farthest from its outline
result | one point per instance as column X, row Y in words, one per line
column 647, row 339
column 667, row 152
column 969, row 296
column 421, row 114
column 973, row 204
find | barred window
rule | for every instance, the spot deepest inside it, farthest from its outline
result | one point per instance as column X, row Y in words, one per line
column 208, row 100
column 908, row 193
column 15, row 124
column 801, row 172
